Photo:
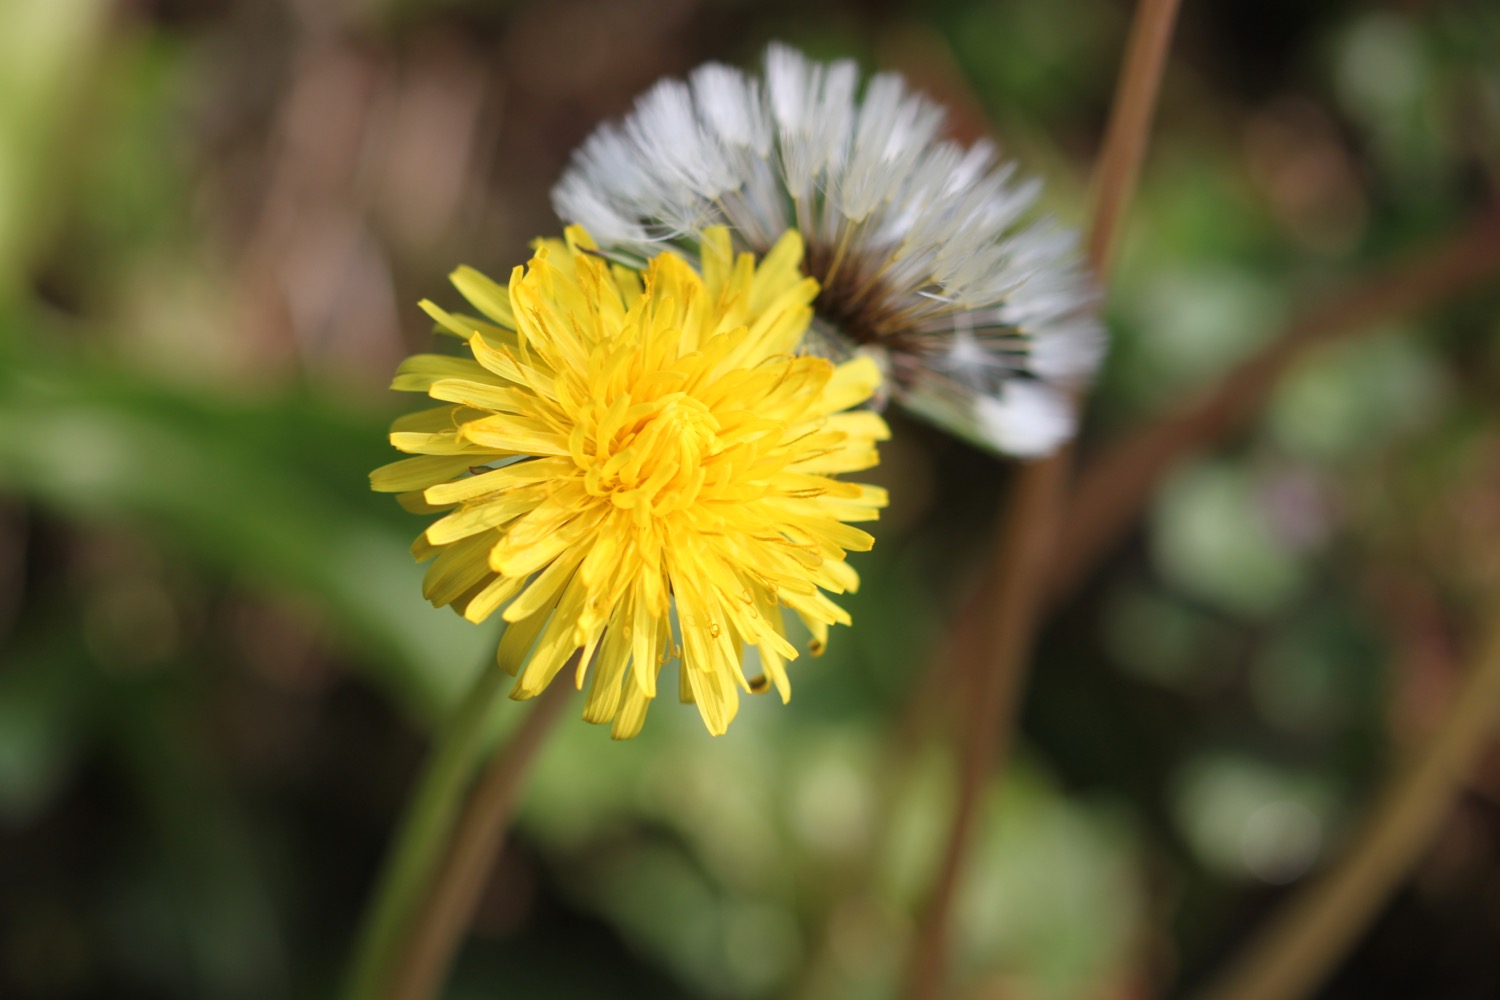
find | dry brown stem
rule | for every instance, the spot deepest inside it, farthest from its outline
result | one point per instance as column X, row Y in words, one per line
column 993, row 675
column 1113, row 490
column 1304, row 940
column 991, row 681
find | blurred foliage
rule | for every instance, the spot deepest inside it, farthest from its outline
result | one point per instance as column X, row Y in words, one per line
column 216, row 668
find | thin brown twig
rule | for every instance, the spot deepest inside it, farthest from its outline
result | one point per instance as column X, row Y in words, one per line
column 1129, row 131
column 996, row 673
column 1113, row 490
column 1300, row 946
column 438, row 926
column 991, row 682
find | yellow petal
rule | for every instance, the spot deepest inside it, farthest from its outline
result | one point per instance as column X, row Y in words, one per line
column 488, row 296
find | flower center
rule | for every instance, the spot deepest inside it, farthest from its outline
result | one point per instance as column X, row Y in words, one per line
column 853, row 300
column 653, row 457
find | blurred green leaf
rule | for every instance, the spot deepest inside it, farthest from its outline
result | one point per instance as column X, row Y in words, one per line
column 45, row 701
column 1250, row 819
column 1354, row 397
column 1211, row 535
column 42, row 47
column 274, row 491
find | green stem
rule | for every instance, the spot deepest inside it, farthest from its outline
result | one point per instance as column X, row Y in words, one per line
column 447, row 908
column 417, row 851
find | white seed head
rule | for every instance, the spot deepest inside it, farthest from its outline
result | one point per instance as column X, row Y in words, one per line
column 931, row 256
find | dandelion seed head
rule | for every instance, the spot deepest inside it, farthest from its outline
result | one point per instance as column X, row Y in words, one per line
column 931, row 256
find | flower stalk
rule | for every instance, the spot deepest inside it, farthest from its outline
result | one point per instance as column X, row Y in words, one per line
column 426, row 953
column 996, row 672
column 423, row 836
column 1302, row 943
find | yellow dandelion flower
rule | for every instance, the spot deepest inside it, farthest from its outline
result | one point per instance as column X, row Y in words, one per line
column 636, row 466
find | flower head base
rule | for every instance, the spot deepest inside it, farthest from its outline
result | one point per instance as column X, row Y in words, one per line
column 929, row 256
column 636, row 468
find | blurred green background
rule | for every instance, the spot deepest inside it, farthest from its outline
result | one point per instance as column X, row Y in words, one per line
column 216, row 668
